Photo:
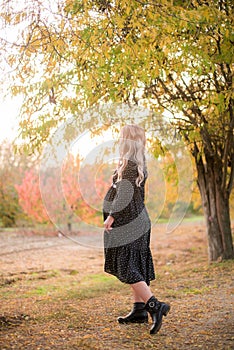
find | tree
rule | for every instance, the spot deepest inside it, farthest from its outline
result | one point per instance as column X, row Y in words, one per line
column 30, row 197
column 166, row 55
column 12, row 168
column 9, row 206
column 82, row 201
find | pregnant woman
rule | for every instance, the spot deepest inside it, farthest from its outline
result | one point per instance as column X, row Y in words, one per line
column 127, row 230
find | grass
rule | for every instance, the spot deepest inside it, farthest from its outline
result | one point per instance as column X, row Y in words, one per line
column 40, row 291
column 93, row 285
column 81, row 227
column 76, row 308
column 194, row 219
column 63, row 286
column 186, row 219
column 194, row 291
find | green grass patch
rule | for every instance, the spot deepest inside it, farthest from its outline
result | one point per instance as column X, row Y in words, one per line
column 41, row 290
column 93, row 285
column 180, row 293
column 195, row 219
column 222, row 265
column 89, row 286
column 188, row 219
column 195, row 291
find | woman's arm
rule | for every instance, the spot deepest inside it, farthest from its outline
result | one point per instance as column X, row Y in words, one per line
column 124, row 191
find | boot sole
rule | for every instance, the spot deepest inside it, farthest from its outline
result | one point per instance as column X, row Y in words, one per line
column 136, row 321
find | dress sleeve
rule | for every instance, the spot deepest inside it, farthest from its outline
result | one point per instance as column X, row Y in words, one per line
column 124, row 191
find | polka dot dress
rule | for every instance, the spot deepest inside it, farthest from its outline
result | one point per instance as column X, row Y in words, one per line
column 127, row 245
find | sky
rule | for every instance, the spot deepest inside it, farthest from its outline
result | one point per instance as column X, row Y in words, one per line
column 9, row 111
column 9, row 117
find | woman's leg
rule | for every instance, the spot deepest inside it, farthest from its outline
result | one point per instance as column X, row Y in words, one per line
column 156, row 308
column 136, row 297
column 138, row 313
column 141, row 291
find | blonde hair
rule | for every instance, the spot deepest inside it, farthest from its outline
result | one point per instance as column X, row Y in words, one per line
column 132, row 147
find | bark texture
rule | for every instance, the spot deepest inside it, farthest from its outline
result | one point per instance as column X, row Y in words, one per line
column 215, row 202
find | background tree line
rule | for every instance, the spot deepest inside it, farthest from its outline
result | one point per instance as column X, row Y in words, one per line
column 21, row 202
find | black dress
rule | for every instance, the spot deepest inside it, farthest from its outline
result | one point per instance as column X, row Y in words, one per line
column 127, row 245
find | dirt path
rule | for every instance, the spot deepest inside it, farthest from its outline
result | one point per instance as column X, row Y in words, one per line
column 54, row 295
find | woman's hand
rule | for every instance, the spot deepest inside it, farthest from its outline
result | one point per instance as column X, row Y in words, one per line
column 108, row 222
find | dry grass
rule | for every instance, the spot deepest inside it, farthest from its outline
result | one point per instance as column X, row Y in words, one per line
column 59, row 298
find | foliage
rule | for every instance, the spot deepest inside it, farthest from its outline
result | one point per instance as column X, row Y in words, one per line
column 173, row 55
column 77, row 193
column 83, row 186
column 12, row 168
column 167, row 55
column 9, row 207
column 30, row 197
column 162, row 192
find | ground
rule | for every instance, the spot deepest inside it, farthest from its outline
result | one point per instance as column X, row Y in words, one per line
column 55, row 295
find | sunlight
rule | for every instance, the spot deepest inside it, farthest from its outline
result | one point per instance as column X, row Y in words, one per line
column 9, row 112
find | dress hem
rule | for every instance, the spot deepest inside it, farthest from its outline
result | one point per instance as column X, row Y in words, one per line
column 123, row 281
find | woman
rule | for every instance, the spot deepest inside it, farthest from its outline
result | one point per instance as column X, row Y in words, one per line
column 127, row 230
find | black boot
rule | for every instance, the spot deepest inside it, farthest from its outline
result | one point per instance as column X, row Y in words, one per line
column 137, row 315
column 157, row 310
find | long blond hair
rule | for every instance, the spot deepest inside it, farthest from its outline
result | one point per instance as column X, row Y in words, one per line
column 132, row 147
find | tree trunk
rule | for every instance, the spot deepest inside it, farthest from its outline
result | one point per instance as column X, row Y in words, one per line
column 216, row 209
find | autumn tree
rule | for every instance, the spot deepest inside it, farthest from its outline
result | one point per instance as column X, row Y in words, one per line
column 82, row 190
column 9, row 206
column 30, row 198
column 12, row 169
column 44, row 199
column 166, row 55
